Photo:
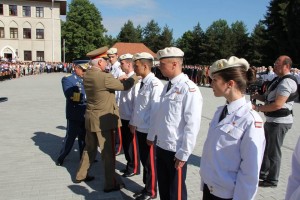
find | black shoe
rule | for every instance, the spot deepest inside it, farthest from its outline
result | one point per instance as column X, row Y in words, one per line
column 59, row 162
column 116, row 188
column 128, row 174
column 87, row 179
column 137, row 194
column 123, row 170
column 267, row 184
column 144, row 196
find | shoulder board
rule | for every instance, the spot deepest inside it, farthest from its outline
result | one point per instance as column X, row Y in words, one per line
column 68, row 75
column 154, row 83
column 258, row 123
column 191, row 85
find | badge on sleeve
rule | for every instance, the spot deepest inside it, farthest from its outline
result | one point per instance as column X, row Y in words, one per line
column 258, row 124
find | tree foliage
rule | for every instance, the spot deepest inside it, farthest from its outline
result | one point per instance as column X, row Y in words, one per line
column 283, row 25
column 151, row 34
column 129, row 33
column 83, row 30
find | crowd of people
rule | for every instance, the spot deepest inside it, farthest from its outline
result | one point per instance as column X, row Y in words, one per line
column 11, row 70
column 127, row 106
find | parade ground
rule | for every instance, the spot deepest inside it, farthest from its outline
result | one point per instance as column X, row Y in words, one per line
column 32, row 128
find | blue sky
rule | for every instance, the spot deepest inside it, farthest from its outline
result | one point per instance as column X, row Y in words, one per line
column 179, row 15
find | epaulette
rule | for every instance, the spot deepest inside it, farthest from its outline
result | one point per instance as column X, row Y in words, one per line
column 258, row 123
column 68, row 75
column 154, row 83
column 191, row 85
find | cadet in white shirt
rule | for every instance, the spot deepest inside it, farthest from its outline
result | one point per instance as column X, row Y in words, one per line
column 177, row 125
column 145, row 108
column 235, row 143
column 293, row 187
column 116, row 71
column 126, row 105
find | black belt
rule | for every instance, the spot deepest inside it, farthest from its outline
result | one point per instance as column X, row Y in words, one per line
column 283, row 112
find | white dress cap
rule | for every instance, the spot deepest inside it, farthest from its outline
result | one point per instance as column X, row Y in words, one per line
column 142, row 55
column 170, row 52
column 225, row 64
column 125, row 56
column 112, row 51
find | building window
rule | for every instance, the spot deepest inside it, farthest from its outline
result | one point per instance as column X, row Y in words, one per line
column 27, row 55
column 27, row 33
column 1, row 9
column 40, row 56
column 2, row 32
column 39, row 33
column 39, row 12
column 14, row 33
column 13, row 10
column 26, row 11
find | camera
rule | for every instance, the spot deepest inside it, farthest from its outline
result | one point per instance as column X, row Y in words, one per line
column 252, row 89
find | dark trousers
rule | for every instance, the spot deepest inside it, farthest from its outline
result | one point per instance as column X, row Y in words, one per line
column 274, row 133
column 171, row 182
column 208, row 196
column 74, row 129
column 106, row 140
column 118, row 140
column 130, row 148
column 147, row 156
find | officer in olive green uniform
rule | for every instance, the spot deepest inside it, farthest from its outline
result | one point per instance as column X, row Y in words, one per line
column 101, row 118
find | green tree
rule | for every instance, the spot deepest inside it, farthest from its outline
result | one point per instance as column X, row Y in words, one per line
column 83, row 30
column 197, row 45
column 166, row 38
column 239, row 39
column 185, row 44
column 218, row 41
column 129, row 33
column 257, row 43
column 283, row 25
column 192, row 43
column 151, row 34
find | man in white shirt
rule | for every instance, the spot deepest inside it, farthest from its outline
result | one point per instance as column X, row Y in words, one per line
column 126, row 105
column 145, row 109
column 176, row 126
column 116, row 71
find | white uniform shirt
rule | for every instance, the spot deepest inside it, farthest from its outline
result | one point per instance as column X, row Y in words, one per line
column 116, row 70
column 177, row 122
column 127, row 99
column 233, row 152
column 293, row 187
column 147, row 103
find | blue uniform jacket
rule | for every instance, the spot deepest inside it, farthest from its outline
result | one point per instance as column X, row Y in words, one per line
column 75, row 97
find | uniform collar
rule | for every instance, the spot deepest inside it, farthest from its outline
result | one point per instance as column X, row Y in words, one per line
column 177, row 78
column 130, row 74
column 147, row 78
column 234, row 107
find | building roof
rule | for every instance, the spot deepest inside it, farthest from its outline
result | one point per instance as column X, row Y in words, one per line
column 132, row 48
column 62, row 3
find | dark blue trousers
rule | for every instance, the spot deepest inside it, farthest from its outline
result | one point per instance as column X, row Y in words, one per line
column 74, row 129
column 171, row 182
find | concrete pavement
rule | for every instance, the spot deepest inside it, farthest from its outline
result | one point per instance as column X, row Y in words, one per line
column 33, row 125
